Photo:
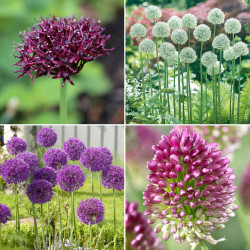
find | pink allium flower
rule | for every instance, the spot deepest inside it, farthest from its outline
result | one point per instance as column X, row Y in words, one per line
column 245, row 187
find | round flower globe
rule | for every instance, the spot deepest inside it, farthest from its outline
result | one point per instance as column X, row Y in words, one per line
column 55, row 158
column 215, row 68
column 172, row 60
column 232, row 26
column 202, row 33
column 73, row 148
column 31, row 159
column 221, row 42
column 47, row 137
column 189, row 21
column 138, row 30
column 174, row 22
column 153, row 12
column 216, row 16
column 240, row 49
column 208, row 59
column 188, row 55
column 113, row 178
column 16, row 145
column 161, row 30
column 46, row 173
column 5, row 213
column 90, row 211
column 228, row 54
column 147, row 46
column 166, row 50
column 179, row 36
column 108, row 156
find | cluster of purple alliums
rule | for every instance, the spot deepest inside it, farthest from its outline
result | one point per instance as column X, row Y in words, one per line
column 16, row 145
column 5, row 214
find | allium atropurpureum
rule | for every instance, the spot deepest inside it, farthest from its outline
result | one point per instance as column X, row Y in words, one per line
column 55, row 157
column 138, row 30
column 147, row 46
column 16, row 145
column 60, row 47
column 221, row 42
column 40, row 191
column 174, row 22
column 73, row 148
column 46, row 173
column 5, row 213
column 191, row 190
column 14, row 171
column 161, row 30
column 30, row 158
column 188, row 55
column 70, row 177
column 113, row 178
column 153, row 12
column 90, row 211
column 202, row 33
column 216, row 16
column 179, row 36
column 215, row 69
column 139, row 234
column 46, row 137
column 108, row 156
column 208, row 59
column 189, row 21
column 245, row 187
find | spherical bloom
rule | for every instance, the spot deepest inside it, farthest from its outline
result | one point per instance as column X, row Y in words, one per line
column 5, row 214
column 245, row 187
column 90, row 211
column 139, row 233
column 113, row 178
column 161, row 30
column 138, row 30
column 147, row 46
column 221, row 42
column 188, row 55
column 228, row 54
column 240, row 49
column 216, row 16
column 174, row 22
column 108, row 156
column 16, row 145
column 14, row 171
column 166, row 50
column 29, row 158
column 189, row 21
column 40, row 191
column 191, row 190
column 70, row 178
column 172, row 60
column 202, row 33
column 215, row 69
column 55, row 158
column 47, row 137
column 232, row 26
column 153, row 12
column 179, row 36
column 73, row 148
column 46, row 173
column 60, row 47
column 208, row 59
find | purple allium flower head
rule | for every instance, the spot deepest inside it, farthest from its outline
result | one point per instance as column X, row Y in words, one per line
column 108, row 155
column 192, row 188
column 16, row 145
column 5, row 214
column 60, row 47
column 47, row 137
column 55, row 157
column 73, row 148
column 46, row 173
column 15, row 170
column 90, row 211
column 29, row 158
column 113, row 178
column 245, row 187
column 40, row 191
column 70, row 177
column 139, row 234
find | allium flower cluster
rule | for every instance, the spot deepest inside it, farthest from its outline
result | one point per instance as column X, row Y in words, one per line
column 30, row 158
column 189, row 21
column 47, row 137
column 221, row 42
column 191, row 190
column 240, row 49
column 113, row 178
column 90, row 211
column 60, row 47
column 138, row 30
column 147, row 46
column 215, row 69
column 55, row 158
column 172, row 60
column 228, row 54
column 245, row 187
column 208, row 59
column 161, row 30
column 202, row 33
column 232, row 26
column 153, row 12
column 179, row 36
column 174, row 22
column 16, row 145
column 108, row 156
column 46, row 173
column 70, row 178
column 188, row 55
column 5, row 213
column 73, row 148
column 166, row 50
column 216, row 16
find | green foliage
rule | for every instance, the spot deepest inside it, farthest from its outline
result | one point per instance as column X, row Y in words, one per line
column 245, row 103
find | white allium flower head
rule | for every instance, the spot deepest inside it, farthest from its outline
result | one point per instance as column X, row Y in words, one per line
column 166, row 50
column 216, row 68
column 240, row 49
column 161, row 29
column 216, row 16
column 208, row 59
column 232, row 26
column 221, row 42
column 202, row 33
column 179, row 36
column 153, row 12
column 174, row 22
column 228, row 54
column 147, row 46
column 138, row 30
column 173, row 59
column 189, row 21
column 188, row 55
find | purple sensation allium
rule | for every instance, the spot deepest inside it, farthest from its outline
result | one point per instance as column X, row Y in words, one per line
column 108, row 156
column 60, row 47
column 245, row 187
column 55, row 157
column 90, row 211
column 5, row 213
column 46, row 173
column 14, row 171
column 16, row 145
column 30, row 158
column 73, row 148
column 46, row 137
column 70, row 178
column 192, row 188
column 113, row 178
column 139, row 234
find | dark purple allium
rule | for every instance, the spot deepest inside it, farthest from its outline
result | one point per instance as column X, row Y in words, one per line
column 192, row 188
column 90, row 211
column 30, row 158
column 5, row 214
column 40, row 191
column 16, row 145
column 15, row 170
column 46, row 173
column 245, row 187
column 73, row 148
column 113, row 178
column 70, row 178
column 46, row 137
column 60, row 47
column 108, row 156
column 55, row 158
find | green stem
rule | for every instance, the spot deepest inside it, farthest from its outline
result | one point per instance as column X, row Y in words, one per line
column 231, row 89
column 114, row 205
column 183, row 96
column 63, row 104
column 164, row 92
column 190, row 95
column 90, row 237
column 158, row 67
column 188, row 108
column 201, row 84
column 35, row 222
column 203, row 245
column 72, row 217
column 219, row 101
column 59, row 209
column 100, row 182
column 206, row 98
column 17, row 211
column 92, row 184
column 232, row 121
column 48, row 207
column 150, row 79
column 179, row 82
column 174, row 95
column 214, row 98
column 42, row 219
column 143, row 82
column 167, row 91
column 238, row 110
